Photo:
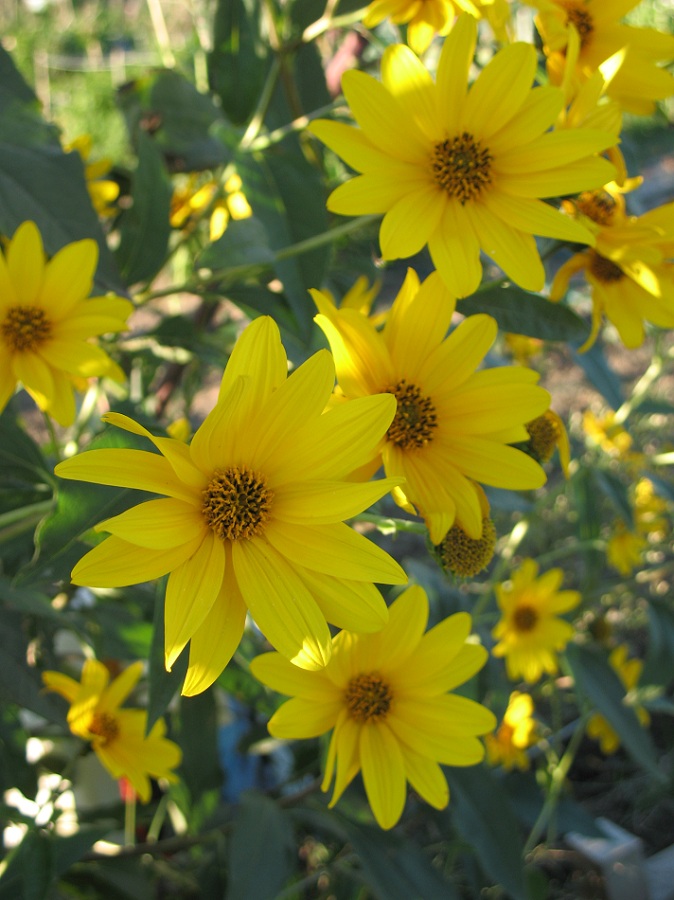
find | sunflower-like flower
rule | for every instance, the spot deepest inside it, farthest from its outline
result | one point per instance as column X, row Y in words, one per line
column 640, row 81
column 117, row 736
column 102, row 191
column 629, row 270
column 227, row 202
column 385, row 697
column 453, row 424
column 463, row 170
column 529, row 632
column 507, row 746
column 462, row 555
column 252, row 513
column 548, row 433
column 46, row 322
column 629, row 672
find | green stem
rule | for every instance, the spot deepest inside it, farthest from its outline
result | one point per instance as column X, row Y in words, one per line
column 56, row 445
column 568, row 550
column 257, row 119
column 157, row 820
column 640, row 390
column 387, row 525
column 17, row 521
column 557, row 779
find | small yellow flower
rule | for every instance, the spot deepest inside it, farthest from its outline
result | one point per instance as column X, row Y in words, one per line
column 517, row 731
column 453, row 424
column 607, row 434
column 117, row 736
column 424, row 18
column 523, row 348
column 629, row 672
column 529, row 633
column 651, row 512
column 640, row 82
column 191, row 200
column 103, row 191
column 463, row 170
column 46, row 322
column 251, row 514
column 386, row 699
column 624, row 549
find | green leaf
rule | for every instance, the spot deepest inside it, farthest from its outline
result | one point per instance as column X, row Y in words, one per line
column 596, row 679
column 20, row 684
column 185, row 125
column 145, row 228
column 239, row 62
column 601, row 375
column 244, row 244
column 163, row 685
column 287, row 195
column 522, row 312
column 480, row 809
column 38, row 181
column 80, row 506
column 659, row 663
column 66, row 851
column 260, row 850
column 393, row 867
column 616, row 491
column 198, row 739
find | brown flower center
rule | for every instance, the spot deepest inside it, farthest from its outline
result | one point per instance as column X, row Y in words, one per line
column 25, row 328
column 544, row 435
column 525, row 618
column 415, row 418
column 368, row 697
column 597, row 205
column 603, row 269
column 462, row 167
column 466, row 556
column 578, row 16
column 237, row 503
column 105, row 726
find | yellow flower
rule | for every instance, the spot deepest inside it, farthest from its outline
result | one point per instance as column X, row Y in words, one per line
column 102, row 191
column 629, row 672
column 385, row 697
column 424, row 18
column 452, row 424
column 651, row 512
column 463, row 555
column 628, row 270
column 190, row 201
column 624, row 549
column 117, row 736
column 463, row 170
column 252, row 513
column 523, row 348
column 547, row 433
column 640, row 81
column 607, row 433
column 517, row 731
column 529, row 631
column 46, row 322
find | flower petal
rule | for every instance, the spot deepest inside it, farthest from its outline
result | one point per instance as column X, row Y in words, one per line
column 116, row 563
column 157, row 524
column 383, row 774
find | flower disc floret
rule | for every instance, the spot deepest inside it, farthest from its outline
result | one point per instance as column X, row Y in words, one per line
column 251, row 513
column 466, row 556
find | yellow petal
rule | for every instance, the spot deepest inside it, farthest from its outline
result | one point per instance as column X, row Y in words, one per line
column 157, row 524
column 68, row 278
column 488, row 106
column 116, row 563
column 303, row 718
column 26, row 262
column 426, row 778
column 383, row 774
column 325, row 502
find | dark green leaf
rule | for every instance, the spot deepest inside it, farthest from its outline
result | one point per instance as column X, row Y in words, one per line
column 659, row 663
column 20, row 456
column 393, row 867
column 244, row 243
column 145, row 228
column 260, row 849
column 162, row 684
column 186, row 125
column 18, row 683
column 521, row 312
column 38, row 181
column 596, row 679
column 238, row 64
column 66, row 851
column 481, row 811
column 198, row 739
column 601, row 375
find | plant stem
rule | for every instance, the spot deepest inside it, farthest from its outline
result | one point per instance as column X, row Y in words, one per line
column 387, row 525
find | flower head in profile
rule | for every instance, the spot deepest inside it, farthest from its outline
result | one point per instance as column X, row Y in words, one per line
column 251, row 515
column 453, row 424
column 630, row 272
column 192, row 200
column 47, row 322
column 548, row 433
column 530, row 632
column 385, row 698
column 463, row 170
column 102, row 191
column 629, row 672
column 462, row 555
column 517, row 731
column 116, row 735
column 640, row 81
